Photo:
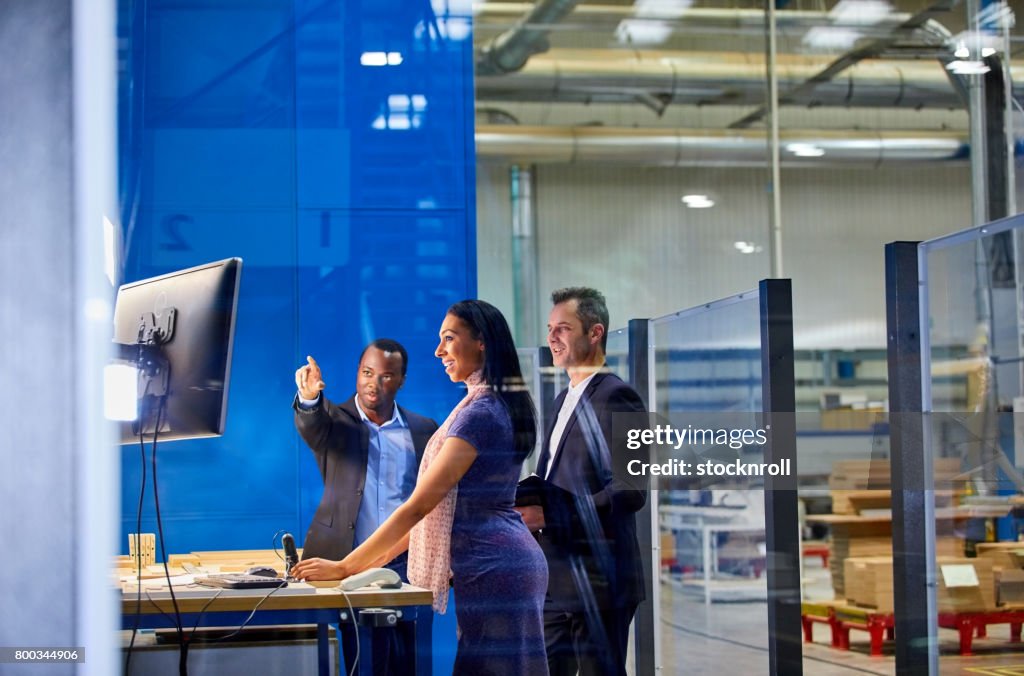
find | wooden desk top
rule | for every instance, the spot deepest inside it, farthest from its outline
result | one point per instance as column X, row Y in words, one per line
column 322, row 598
column 326, row 595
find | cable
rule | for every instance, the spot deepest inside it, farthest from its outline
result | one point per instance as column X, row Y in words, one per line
column 284, row 583
column 202, row 610
column 138, row 555
column 183, row 642
column 355, row 627
column 273, row 544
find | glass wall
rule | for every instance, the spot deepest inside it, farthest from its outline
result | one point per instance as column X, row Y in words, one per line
column 707, row 373
column 972, row 393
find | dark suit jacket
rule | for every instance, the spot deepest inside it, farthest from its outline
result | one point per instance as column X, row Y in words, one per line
column 589, row 514
column 340, row 442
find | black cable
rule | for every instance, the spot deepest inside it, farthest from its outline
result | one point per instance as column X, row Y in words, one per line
column 202, row 610
column 273, row 543
column 183, row 642
column 236, row 632
column 138, row 555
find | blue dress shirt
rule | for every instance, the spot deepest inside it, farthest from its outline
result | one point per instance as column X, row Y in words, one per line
column 390, row 470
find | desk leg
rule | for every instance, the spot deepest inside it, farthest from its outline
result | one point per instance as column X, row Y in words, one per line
column 323, row 650
column 424, row 619
column 366, row 649
column 706, row 549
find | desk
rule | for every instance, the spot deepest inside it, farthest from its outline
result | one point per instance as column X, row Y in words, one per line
column 321, row 608
column 708, row 521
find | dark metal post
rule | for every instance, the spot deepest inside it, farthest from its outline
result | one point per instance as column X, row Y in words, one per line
column 782, row 521
column 913, row 600
column 998, row 162
column 639, row 367
column 645, row 625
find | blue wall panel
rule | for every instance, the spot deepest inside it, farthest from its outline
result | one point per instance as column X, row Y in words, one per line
column 258, row 129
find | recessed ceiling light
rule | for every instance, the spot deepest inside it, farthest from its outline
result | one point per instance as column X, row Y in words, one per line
column 698, row 201
column 747, row 247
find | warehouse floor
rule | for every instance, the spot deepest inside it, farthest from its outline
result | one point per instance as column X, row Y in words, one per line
column 732, row 638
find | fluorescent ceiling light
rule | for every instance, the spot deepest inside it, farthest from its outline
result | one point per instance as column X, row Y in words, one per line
column 380, row 59
column 631, row 31
column 967, row 67
column 661, row 9
column 805, row 149
column 860, row 12
column 830, row 37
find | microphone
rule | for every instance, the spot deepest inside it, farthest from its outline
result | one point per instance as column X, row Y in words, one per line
column 291, row 555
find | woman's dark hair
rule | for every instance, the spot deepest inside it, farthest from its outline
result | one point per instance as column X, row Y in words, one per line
column 501, row 369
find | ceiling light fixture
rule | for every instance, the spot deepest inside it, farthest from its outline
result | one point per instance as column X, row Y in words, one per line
column 698, row 201
column 805, row 149
column 747, row 247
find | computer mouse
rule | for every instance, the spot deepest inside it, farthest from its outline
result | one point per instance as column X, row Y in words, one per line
column 265, row 571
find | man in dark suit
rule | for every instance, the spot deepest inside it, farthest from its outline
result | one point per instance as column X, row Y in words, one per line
column 368, row 450
column 586, row 525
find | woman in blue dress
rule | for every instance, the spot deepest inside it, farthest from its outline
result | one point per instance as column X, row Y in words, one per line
column 459, row 522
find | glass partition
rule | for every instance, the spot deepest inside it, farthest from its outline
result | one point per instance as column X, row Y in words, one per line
column 706, row 362
column 971, row 356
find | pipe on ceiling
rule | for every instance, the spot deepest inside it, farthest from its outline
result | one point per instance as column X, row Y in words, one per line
column 608, row 17
column 714, row 147
column 607, row 76
column 509, row 51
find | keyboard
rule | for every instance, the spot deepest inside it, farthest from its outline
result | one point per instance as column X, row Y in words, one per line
column 241, row 581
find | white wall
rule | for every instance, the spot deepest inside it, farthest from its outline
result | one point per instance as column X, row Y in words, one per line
column 624, row 230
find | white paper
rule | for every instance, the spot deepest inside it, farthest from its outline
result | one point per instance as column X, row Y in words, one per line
column 959, row 575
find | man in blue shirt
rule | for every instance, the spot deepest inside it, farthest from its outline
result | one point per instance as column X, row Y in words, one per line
column 368, row 450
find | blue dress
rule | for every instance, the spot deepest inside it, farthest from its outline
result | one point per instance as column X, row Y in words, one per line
column 499, row 572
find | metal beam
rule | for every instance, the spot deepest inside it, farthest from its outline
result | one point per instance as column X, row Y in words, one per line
column 912, row 506
column 645, row 624
column 782, row 522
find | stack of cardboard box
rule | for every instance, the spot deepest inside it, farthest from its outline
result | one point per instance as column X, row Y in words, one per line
column 965, row 585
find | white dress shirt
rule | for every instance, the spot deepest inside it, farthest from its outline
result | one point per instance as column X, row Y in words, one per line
column 572, row 397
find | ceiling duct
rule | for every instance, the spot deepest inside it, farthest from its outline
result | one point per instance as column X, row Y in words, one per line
column 696, row 78
column 509, row 51
column 718, row 147
column 606, row 18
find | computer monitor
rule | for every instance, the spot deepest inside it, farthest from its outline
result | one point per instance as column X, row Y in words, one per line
column 179, row 328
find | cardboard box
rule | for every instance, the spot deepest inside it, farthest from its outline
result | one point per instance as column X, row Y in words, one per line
column 1009, row 586
column 964, row 585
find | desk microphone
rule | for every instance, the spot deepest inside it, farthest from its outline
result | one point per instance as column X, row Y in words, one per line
column 291, row 555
